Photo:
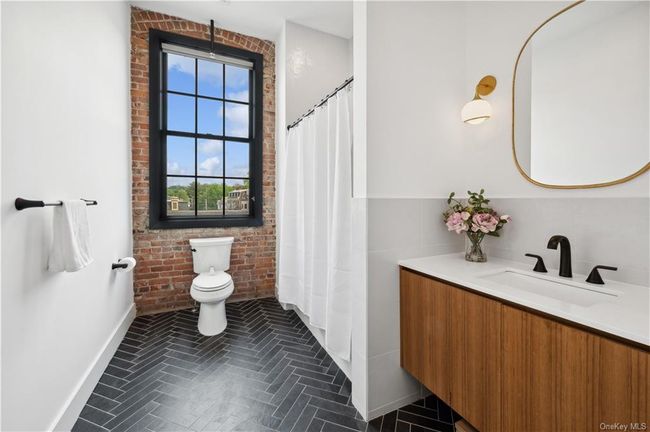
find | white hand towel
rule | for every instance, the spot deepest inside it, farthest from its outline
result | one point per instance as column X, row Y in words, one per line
column 71, row 241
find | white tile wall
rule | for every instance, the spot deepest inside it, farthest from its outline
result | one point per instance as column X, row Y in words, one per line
column 359, row 375
column 397, row 229
column 610, row 231
column 392, row 386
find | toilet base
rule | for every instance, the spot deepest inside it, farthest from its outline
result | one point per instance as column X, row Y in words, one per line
column 212, row 318
column 212, row 309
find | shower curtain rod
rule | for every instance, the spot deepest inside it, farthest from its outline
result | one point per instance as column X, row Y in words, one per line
column 322, row 102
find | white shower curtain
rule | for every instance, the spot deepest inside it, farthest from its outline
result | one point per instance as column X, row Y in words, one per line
column 314, row 223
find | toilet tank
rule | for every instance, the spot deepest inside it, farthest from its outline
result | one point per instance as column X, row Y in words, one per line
column 211, row 253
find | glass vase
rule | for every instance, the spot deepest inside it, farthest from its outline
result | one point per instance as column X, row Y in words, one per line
column 473, row 250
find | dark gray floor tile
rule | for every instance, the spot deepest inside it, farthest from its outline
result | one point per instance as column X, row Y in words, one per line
column 84, row 426
column 375, row 425
column 107, row 391
column 135, row 417
column 305, row 418
column 102, row 403
column 341, row 420
column 401, row 426
column 319, row 384
column 175, row 415
column 332, row 427
column 424, row 421
column 94, row 415
column 416, row 428
column 316, row 425
column 266, row 372
column 324, row 394
column 294, row 412
column 288, row 401
column 424, row 412
column 333, row 406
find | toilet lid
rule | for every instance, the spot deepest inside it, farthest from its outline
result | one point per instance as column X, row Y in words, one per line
column 212, row 281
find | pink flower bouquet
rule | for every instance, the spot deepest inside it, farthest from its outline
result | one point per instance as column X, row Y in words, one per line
column 476, row 220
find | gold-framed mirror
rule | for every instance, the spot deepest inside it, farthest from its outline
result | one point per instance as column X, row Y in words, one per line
column 581, row 97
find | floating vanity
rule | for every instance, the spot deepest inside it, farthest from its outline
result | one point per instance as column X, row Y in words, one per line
column 515, row 350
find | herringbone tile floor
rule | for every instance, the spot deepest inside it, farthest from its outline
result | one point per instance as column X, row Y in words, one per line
column 265, row 372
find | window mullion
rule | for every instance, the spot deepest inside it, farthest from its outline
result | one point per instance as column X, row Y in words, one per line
column 162, row 119
column 223, row 143
column 196, row 140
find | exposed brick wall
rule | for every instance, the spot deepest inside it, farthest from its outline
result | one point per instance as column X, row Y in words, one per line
column 164, row 272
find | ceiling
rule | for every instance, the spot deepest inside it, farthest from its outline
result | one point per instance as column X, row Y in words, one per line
column 262, row 19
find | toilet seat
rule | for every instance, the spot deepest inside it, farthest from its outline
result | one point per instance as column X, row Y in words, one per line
column 212, row 281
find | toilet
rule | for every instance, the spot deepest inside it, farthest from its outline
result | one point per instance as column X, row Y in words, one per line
column 211, row 288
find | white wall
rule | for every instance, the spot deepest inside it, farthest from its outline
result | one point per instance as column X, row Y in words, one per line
column 415, row 91
column 316, row 63
column 419, row 74
column 65, row 117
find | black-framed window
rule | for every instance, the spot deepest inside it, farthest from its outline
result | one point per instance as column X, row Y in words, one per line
column 205, row 148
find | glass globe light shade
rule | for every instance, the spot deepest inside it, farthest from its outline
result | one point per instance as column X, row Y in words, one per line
column 476, row 111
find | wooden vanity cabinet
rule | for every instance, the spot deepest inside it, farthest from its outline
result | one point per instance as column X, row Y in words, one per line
column 507, row 369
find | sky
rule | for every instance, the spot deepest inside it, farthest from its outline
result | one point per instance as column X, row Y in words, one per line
column 180, row 109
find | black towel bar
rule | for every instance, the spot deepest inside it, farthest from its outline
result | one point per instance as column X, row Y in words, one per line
column 22, row 204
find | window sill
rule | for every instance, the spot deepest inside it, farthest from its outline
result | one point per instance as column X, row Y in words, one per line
column 189, row 223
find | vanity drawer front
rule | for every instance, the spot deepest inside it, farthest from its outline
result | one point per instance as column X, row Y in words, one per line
column 424, row 327
column 528, row 372
column 621, row 383
column 476, row 359
column 556, row 377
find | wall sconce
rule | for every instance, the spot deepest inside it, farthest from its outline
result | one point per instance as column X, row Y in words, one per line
column 478, row 110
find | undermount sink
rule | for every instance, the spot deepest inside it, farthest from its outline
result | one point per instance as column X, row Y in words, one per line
column 568, row 291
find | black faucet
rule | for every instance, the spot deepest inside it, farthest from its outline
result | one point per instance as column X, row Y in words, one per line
column 565, row 254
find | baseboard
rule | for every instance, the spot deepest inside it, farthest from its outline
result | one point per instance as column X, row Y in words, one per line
column 344, row 365
column 75, row 403
column 392, row 406
column 361, row 409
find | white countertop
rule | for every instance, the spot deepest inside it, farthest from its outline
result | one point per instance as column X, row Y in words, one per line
column 626, row 315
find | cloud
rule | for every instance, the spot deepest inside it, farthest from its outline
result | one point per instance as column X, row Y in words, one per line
column 173, row 181
column 236, row 76
column 238, row 170
column 237, row 95
column 210, row 147
column 180, row 63
column 208, row 71
column 211, row 72
column 237, row 120
column 209, row 166
column 174, row 167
